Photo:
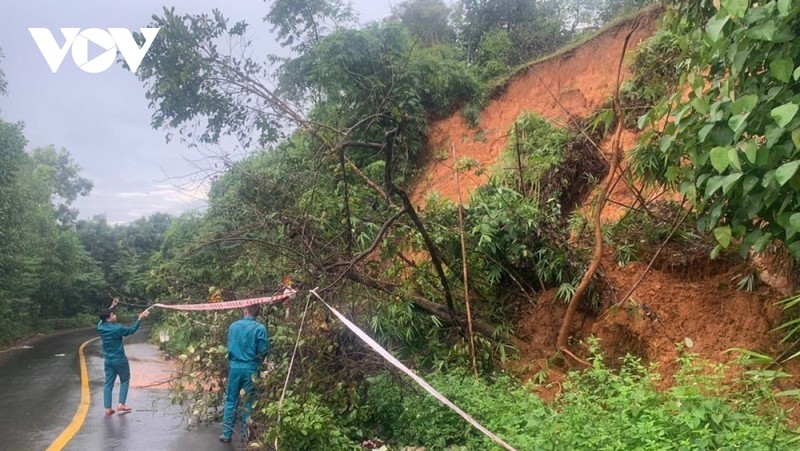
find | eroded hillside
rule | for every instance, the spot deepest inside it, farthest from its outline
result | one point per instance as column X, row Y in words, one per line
column 571, row 84
column 685, row 299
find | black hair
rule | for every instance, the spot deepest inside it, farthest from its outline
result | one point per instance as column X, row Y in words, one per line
column 253, row 310
column 105, row 314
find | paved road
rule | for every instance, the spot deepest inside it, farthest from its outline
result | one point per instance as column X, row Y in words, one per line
column 40, row 393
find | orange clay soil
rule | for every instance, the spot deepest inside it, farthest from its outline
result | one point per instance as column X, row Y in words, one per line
column 683, row 297
column 582, row 79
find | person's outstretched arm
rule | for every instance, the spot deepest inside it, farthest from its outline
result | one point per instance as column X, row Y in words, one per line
column 135, row 326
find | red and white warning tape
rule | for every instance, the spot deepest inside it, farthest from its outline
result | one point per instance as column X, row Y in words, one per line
column 241, row 303
column 360, row 333
column 385, row 354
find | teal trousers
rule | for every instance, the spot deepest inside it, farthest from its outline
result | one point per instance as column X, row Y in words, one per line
column 113, row 369
column 238, row 380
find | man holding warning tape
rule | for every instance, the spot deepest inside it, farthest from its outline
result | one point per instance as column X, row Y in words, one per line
column 115, row 361
column 248, row 345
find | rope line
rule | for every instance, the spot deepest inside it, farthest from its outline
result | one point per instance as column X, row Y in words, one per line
column 291, row 364
column 288, row 292
column 385, row 354
column 356, row 330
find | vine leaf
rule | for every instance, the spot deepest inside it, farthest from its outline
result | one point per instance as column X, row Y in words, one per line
column 736, row 8
column 719, row 159
column 784, row 114
column 784, row 173
column 782, row 69
column 714, row 26
column 723, row 236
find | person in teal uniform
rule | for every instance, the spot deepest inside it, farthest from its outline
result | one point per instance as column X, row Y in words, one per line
column 116, row 362
column 248, row 345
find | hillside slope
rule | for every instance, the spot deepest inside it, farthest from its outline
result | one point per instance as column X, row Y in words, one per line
column 581, row 79
column 685, row 296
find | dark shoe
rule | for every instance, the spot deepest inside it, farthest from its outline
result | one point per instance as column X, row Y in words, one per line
column 224, row 439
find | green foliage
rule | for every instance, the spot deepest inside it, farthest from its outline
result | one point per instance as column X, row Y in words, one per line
column 655, row 74
column 534, row 28
column 45, row 272
column 600, row 408
column 59, row 175
column 495, row 55
column 730, row 145
column 300, row 25
column 427, row 20
column 791, row 327
column 307, row 424
column 541, row 147
column 511, row 242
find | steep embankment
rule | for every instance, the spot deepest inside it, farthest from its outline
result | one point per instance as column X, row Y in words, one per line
column 573, row 83
column 684, row 296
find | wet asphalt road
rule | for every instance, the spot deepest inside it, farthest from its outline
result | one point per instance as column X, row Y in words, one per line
column 40, row 393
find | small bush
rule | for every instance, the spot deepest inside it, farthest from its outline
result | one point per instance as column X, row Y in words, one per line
column 599, row 408
column 307, row 424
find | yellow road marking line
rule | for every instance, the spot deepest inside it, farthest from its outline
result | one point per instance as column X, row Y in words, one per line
column 83, row 407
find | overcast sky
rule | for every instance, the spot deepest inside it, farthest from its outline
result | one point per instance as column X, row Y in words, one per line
column 103, row 119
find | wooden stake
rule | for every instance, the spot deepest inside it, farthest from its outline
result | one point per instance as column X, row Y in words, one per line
column 464, row 266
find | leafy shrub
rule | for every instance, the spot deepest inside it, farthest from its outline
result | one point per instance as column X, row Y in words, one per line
column 599, row 408
column 495, row 54
column 444, row 82
column 655, row 74
column 307, row 424
column 540, row 146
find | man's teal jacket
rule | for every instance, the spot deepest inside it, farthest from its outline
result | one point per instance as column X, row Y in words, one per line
column 111, row 334
column 248, row 344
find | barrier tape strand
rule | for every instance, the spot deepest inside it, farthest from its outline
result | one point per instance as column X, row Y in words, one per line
column 385, row 354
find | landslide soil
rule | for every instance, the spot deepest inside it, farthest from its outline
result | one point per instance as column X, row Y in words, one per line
column 685, row 296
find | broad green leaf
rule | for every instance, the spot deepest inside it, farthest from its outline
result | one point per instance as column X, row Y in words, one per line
column 783, row 7
column 700, row 105
column 763, row 32
column 738, row 123
column 733, row 157
column 784, row 114
column 744, row 104
column 642, row 121
column 713, row 184
column 794, row 221
column 749, row 183
column 703, row 133
column 767, row 179
column 665, row 142
column 781, row 69
column 762, row 242
column 723, row 236
column 671, row 173
column 797, row 73
column 750, row 149
column 794, row 249
column 786, row 172
column 719, row 159
column 737, row 8
column 739, row 60
column 714, row 26
column 730, row 181
column 796, row 137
